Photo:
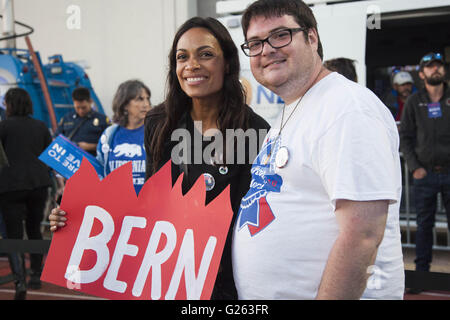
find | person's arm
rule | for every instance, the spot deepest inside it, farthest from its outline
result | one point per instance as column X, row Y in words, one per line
column 57, row 219
column 61, row 182
column 361, row 229
column 407, row 132
column 86, row 146
column 147, row 143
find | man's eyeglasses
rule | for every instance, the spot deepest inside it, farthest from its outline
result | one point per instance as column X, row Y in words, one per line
column 276, row 40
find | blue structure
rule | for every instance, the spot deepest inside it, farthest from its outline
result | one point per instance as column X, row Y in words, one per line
column 17, row 70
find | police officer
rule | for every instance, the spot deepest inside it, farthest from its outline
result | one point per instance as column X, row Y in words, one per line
column 425, row 136
column 83, row 126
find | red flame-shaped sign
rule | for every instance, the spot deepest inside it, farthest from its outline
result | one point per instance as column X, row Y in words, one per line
column 158, row 245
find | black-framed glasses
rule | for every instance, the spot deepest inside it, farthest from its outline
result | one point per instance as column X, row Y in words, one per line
column 276, row 40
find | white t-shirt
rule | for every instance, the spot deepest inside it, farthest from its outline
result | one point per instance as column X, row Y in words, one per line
column 343, row 144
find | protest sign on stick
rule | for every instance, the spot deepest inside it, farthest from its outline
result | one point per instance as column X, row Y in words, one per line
column 158, row 245
column 63, row 156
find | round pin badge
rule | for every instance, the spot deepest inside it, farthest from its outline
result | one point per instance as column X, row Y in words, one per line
column 223, row 170
column 282, row 157
column 209, row 181
column 105, row 148
column 96, row 122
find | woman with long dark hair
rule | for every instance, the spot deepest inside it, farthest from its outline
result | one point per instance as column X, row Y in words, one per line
column 205, row 97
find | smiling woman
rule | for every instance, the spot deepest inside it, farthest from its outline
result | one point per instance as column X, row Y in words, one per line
column 200, row 66
column 204, row 88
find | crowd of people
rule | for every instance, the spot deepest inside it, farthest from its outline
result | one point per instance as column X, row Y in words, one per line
column 332, row 219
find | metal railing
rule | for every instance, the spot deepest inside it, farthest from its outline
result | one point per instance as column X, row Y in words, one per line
column 441, row 234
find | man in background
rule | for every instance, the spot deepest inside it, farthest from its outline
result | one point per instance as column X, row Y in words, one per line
column 402, row 84
column 344, row 66
column 425, row 143
column 83, row 125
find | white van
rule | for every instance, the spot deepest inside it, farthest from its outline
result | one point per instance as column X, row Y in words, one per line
column 380, row 35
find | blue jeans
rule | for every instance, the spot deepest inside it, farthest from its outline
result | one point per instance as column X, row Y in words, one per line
column 426, row 191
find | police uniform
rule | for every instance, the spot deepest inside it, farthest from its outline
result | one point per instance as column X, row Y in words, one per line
column 88, row 128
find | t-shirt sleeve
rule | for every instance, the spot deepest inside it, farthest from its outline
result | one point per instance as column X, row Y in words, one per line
column 357, row 159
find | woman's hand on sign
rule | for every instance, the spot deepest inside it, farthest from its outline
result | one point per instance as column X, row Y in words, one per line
column 57, row 219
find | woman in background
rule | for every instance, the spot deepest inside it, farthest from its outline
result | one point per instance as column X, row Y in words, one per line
column 124, row 140
column 24, row 182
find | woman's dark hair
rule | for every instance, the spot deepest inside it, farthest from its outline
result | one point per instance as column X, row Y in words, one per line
column 126, row 92
column 231, row 114
column 302, row 14
column 18, row 102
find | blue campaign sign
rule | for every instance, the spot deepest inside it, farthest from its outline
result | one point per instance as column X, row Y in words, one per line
column 63, row 156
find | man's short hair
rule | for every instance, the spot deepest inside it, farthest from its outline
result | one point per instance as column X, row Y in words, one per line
column 81, row 94
column 302, row 14
column 344, row 66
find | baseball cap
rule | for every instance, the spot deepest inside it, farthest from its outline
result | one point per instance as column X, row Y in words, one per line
column 429, row 58
column 402, row 77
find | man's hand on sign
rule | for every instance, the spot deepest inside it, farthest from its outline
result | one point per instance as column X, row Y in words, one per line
column 57, row 219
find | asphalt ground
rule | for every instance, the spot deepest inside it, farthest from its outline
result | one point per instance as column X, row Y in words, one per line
column 441, row 263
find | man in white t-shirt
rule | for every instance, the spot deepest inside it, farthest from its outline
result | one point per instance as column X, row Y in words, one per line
column 321, row 218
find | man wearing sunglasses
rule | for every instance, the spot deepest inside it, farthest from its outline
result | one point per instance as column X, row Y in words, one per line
column 425, row 142
column 321, row 218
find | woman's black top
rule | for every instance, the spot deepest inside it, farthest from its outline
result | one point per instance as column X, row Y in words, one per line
column 238, row 177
